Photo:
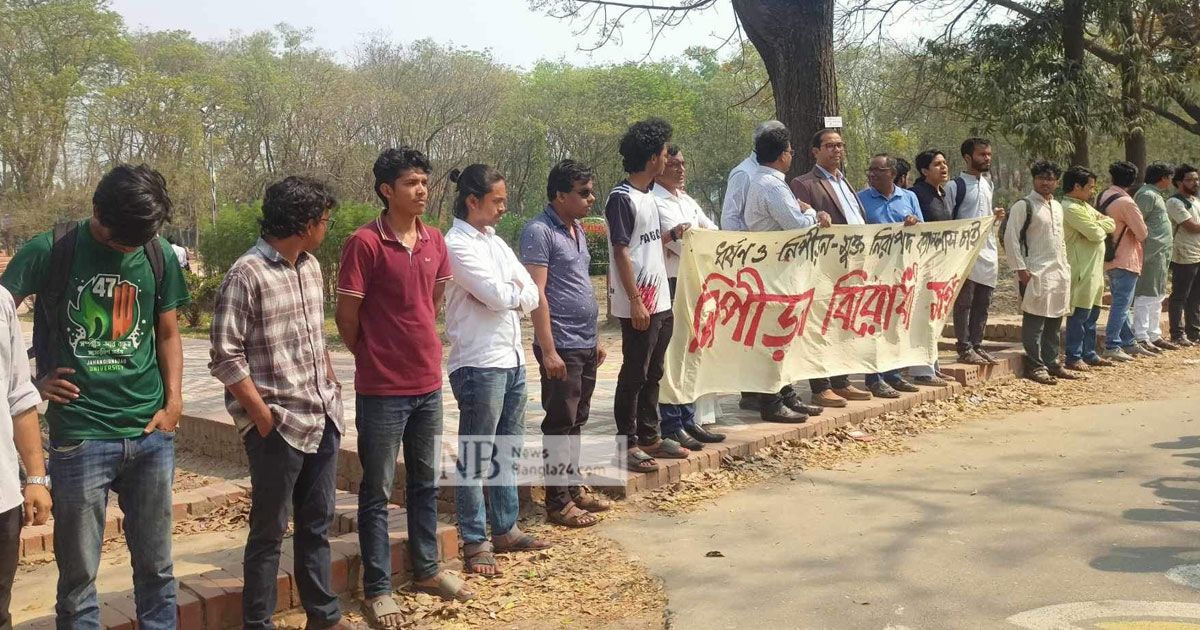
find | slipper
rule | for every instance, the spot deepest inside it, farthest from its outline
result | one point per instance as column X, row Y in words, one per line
column 379, row 607
column 636, row 460
column 447, row 586
column 591, row 502
column 860, row 436
column 524, row 542
column 482, row 556
column 666, row 449
column 572, row 516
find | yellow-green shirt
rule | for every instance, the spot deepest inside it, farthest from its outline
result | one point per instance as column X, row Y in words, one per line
column 1085, row 228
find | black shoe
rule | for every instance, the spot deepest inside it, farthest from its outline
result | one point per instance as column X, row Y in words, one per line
column 986, row 356
column 1163, row 344
column 704, row 435
column 778, row 412
column 750, row 402
column 685, row 440
column 794, row 403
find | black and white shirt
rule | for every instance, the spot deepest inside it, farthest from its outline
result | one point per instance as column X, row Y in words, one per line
column 633, row 221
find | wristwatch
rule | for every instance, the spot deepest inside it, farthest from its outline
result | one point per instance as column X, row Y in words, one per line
column 37, row 481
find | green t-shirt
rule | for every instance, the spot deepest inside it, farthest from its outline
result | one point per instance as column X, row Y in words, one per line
column 109, row 341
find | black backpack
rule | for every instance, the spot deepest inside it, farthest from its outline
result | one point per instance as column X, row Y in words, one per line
column 960, row 193
column 1110, row 246
column 1021, row 239
column 48, row 324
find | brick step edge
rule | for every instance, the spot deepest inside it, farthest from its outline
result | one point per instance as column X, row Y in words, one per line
column 1010, row 332
column 213, row 600
column 38, row 541
column 757, row 436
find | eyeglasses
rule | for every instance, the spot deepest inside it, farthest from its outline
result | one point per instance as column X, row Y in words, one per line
column 585, row 193
column 832, row 145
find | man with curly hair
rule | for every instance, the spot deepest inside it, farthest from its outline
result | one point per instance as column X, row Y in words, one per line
column 268, row 349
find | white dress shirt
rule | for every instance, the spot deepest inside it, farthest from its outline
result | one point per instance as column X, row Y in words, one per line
column 733, row 208
column 771, row 206
column 673, row 210
column 485, row 300
column 846, row 199
column 977, row 202
column 19, row 395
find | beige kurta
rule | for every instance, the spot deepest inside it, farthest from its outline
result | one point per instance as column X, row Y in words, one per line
column 1044, row 256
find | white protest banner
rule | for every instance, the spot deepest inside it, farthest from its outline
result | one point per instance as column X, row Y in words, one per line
column 757, row 310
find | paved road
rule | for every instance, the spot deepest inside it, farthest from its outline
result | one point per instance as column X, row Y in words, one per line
column 1081, row 518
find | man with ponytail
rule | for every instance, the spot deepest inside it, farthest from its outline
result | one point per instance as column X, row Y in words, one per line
column 484, row 304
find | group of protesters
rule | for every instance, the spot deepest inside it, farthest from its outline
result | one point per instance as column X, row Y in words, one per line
column 110, row 358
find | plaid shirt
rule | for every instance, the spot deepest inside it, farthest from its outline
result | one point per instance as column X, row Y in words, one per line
column 267, row 326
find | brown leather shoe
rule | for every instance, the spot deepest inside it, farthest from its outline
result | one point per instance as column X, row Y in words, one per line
column 852, row 393
column 828, row 399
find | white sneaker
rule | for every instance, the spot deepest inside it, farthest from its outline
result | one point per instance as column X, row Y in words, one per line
column 1116, row 354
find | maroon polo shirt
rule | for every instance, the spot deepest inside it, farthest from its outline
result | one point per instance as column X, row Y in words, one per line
column 399, row 352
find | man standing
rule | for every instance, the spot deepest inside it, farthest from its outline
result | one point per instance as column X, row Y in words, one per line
column 109, row 288
column 565, row 344
column 677, row 209
column 268, row 350
column 1037, row 252
column 970, row 197
column 20, row 433
column 1151, row 287
column 390, row 285
column 484, row 303
column 771, row 206
column 734, row 206
column 887, row 203
column 827, row 191
column 1183, row 309
column 639, row 295
column 1085, row 229
column 1125, row 266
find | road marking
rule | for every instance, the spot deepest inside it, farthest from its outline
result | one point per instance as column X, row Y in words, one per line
column 1186, row 575
column 1085, row 615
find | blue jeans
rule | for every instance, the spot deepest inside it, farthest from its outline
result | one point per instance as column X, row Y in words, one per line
column 384, row 424
column 281, row 478
column 140, row 470
column 1119, row 333
column 1081, row 334
column 891, row 376
column 491, row 402
column 676, row 417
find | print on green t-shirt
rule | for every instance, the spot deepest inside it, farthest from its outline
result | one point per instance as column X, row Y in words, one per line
column 109, row 338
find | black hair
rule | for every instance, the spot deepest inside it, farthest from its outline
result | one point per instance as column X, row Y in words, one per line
column 1157, row 171
column 1076, row 176
column 1045, row 167
column 970, row 144
column 476, row 180
column 902, row 170
column 1123, row 174
column 291, row 205
column 564, row 175
column 769, row 146
column 393, row 162
column 132, row 202
column 642, row 141
column 1182, row 171
column 924, row 160
column 819, row 138
column 673, row 149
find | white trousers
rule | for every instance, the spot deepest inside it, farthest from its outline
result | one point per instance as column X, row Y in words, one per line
column 1147, row 318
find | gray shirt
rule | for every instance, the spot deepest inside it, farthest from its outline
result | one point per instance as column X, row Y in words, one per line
column 546, row 242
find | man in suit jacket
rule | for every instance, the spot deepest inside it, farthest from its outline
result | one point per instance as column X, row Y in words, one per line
column 825, row 189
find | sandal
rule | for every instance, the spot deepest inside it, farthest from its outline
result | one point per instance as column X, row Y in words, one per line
column 377, row 608
column 524, row 542
column 572, row 516
column 636, row 460
column 480, row 556
column 859, row 435
column 667, row 449
column 591, row 502
column 447, row 586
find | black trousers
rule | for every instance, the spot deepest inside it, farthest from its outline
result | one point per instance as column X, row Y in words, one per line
column 567, row 403
column 10, row 551
column 970, row 315
column 818, row 385
column 282, row 477
column 1040, row 336
column 1183, row 309
column 635, row 402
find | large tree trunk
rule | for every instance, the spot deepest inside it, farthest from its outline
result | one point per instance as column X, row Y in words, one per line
column 1131, row 93
column 795, row 40
column 1073, row 58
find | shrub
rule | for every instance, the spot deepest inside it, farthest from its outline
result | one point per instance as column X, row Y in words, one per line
column 203, row 290
column 596, row 232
